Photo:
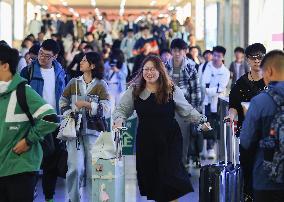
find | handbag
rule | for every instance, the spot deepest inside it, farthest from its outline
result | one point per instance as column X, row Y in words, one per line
column 67, row 130
column 97, row 122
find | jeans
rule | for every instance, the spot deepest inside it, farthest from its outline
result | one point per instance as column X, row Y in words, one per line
column 213, row 119
column 18, row 188
column 80, row 167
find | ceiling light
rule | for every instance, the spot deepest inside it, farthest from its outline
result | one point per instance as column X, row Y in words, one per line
column 93, row 3
column 122, row 6
column 64, row 3
column 153, row 2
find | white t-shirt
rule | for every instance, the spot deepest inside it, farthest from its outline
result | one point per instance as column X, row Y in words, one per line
column 238, row 65
column 217, row 79
column 48, row 93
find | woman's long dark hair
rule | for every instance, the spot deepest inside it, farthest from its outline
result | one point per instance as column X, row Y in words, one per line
column 165, row 84
column 95, row 59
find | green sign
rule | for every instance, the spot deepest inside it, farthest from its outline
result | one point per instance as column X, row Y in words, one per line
column 129, row 136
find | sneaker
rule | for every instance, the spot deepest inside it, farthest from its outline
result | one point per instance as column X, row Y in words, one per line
column 211, row 154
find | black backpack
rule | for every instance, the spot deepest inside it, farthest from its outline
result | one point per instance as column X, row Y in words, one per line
column 47, row 143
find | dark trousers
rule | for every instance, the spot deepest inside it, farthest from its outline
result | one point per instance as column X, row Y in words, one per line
column 49, row 176
column 49, row 168
column 246, row 159
column 18, row 188
column 269, row 196
column 213, row 119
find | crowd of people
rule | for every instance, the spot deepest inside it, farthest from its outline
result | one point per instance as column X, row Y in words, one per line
column 151, row 66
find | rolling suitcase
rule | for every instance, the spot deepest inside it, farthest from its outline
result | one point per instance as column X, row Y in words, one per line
column 222, row 182
column 108, row 176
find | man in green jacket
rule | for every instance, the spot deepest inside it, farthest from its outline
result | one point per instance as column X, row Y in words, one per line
column 20, row 149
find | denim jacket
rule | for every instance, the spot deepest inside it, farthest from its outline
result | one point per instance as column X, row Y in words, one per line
column 257, row 126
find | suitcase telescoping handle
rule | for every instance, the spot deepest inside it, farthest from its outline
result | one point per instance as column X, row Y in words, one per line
column 118, row 141
column 233, row 141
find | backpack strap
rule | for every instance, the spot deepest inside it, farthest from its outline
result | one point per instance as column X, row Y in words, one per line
column 204, row 66
column 30, row 72
column 22, row 101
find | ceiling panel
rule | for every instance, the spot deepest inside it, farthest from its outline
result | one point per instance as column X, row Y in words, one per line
column 111, row 3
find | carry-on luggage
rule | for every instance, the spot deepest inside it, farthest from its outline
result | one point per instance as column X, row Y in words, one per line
column 222, row 182
column 108, row 182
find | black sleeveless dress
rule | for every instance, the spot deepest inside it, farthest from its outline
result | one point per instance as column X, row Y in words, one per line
column 160, row 172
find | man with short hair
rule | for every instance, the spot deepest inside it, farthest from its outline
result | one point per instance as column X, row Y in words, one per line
column 40, row 38
column 90, row 38
column 207, row 55
column 20, row 153
column 131, row 25
column 214, row 83
column 239, row 67
column 183, row 72
column 146, row 37
column 47, row 78
column 257, row 128
column 165, row 55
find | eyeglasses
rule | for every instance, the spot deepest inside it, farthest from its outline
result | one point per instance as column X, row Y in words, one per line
column 152, row 70
column 254, row 57
column 47, row 56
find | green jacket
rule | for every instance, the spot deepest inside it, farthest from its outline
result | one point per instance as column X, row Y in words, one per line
column 14, row 124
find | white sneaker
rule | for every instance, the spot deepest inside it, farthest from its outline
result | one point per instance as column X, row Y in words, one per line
column 211, row 154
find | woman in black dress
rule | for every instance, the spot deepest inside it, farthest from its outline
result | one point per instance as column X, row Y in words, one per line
column 160, row 172
column 248, row 86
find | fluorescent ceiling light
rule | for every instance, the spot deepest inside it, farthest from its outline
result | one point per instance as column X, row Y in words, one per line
column 64, row 3
column 153, row 2
column 122, row 6
column 93, row 3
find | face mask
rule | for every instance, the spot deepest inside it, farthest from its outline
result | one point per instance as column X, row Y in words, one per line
column 4, row 86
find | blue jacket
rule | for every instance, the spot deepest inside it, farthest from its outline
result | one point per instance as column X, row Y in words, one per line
column 257, row 126
column 37, row 81
column 120, row 76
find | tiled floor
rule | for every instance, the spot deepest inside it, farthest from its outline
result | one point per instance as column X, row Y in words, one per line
column 131, row 191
